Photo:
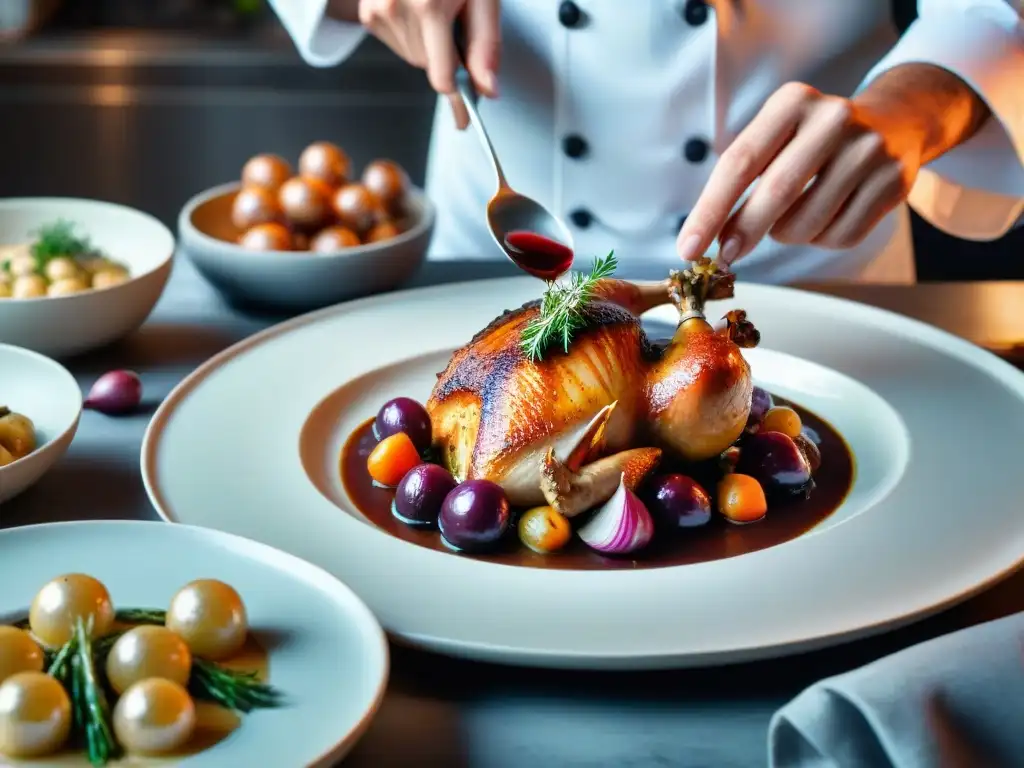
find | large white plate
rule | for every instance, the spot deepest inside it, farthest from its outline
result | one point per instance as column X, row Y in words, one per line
column 933, row 517
column 327, row 653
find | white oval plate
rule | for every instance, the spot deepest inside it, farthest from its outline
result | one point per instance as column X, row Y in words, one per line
column 327, row 653
column 44, row 391
column 249, row 443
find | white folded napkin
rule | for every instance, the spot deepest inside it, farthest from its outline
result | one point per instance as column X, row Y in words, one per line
column 953, row 702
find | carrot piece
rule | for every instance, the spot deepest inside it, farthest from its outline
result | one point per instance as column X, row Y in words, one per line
column 741, row 499
column 392, row 458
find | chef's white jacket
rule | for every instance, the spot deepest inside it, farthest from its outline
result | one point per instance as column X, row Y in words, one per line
column 612, row 113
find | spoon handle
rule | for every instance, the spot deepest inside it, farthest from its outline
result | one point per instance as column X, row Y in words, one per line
column 466, row 89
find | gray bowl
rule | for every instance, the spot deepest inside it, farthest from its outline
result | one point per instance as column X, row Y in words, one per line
column 297, row 280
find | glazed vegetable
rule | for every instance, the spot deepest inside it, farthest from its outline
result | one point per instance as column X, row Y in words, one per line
column 305, row 202
column 775, row 461
column 325, row 162
column 154, row 717
column 391, row 458
column 782, row 419
column 266, row 171
column 383, row 231
column 66, row 600
column 420, row 494
column 761, row 402
column 741, row 499
column 333, row 239
column 622, row 525
column 810, row 451
column 35, row 715
column 544, row 530
column 17, row 433
column 115, row 393
column 474, row 516
column 677, row 501
column 270, row 236
column 210, row 617
column 255, row 205
column 357, row 208
column 148, row 651
column 403, row 414
column 18, row 653
column 387, row 182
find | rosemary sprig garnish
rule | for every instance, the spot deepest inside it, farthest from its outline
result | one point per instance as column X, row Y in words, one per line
column 89, row 701
column 141, row 616
column 240, row 691
column 561, row 310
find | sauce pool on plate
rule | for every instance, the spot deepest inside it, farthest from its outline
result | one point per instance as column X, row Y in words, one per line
column 787, row 519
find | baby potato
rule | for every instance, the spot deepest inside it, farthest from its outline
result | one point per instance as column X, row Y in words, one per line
column 61, row 268
column 67, row 286
column 29, row 287
column 253, row 206
column 17, row 433
column 110, row 276
column 383, row 231
column 22, row 264
column 5, row 457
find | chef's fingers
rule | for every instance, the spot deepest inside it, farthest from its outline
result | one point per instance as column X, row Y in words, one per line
column 744, row 160
column 836, row 182
column 879, row 194
column 442, row 57
column 817, row 140
column 394, row 24
column 439, row 45
column 483, row 44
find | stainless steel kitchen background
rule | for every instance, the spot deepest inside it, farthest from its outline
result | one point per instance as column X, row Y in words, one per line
column 147, row 103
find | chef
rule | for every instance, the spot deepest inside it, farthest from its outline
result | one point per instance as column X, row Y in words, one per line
column 787, row 136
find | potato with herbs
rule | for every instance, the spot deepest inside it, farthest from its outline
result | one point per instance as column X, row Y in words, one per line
column 57, row 263
column 17, row 435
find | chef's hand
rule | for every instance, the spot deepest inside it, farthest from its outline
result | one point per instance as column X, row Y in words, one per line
column 828, row 168
column 420, row 31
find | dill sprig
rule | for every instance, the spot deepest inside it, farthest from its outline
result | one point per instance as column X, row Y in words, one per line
column 59, row 239
column 561, row 310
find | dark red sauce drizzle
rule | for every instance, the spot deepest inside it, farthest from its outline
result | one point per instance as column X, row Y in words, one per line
column 538, row 255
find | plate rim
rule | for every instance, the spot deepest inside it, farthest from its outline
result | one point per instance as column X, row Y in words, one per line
column 243, row 547
column 965, row 351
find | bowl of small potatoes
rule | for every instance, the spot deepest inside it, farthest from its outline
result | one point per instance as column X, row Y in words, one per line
column 301, row 237
column 77, row 274
column 40, row 406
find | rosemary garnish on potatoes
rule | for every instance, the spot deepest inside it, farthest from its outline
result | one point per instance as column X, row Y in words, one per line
column 59, row 239
column 561, row 310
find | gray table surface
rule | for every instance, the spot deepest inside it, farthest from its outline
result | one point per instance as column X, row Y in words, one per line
column 449, row 712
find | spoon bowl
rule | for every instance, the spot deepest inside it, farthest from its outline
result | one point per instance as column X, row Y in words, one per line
column 509, row 212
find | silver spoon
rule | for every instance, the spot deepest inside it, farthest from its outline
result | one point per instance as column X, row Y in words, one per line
column 508, row 211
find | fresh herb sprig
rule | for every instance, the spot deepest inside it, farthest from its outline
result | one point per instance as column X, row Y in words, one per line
column 59, row 239
column 561, row 310
column 89, row 704
column 239, row 691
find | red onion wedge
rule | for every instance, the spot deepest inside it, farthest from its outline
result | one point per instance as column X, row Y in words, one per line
column 116, row 392
column 620, row 526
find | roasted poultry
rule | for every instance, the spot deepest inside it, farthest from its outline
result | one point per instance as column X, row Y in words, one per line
column 564, row 430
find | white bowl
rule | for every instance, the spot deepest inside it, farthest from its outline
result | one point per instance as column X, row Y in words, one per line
column 37, row 387
column 297, row 280
column 68, row 325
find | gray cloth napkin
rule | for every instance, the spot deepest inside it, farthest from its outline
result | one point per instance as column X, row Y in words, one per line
column 953, row 702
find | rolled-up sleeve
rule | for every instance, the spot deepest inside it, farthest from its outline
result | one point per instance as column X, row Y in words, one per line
column 976, row 190
column 319, row 39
